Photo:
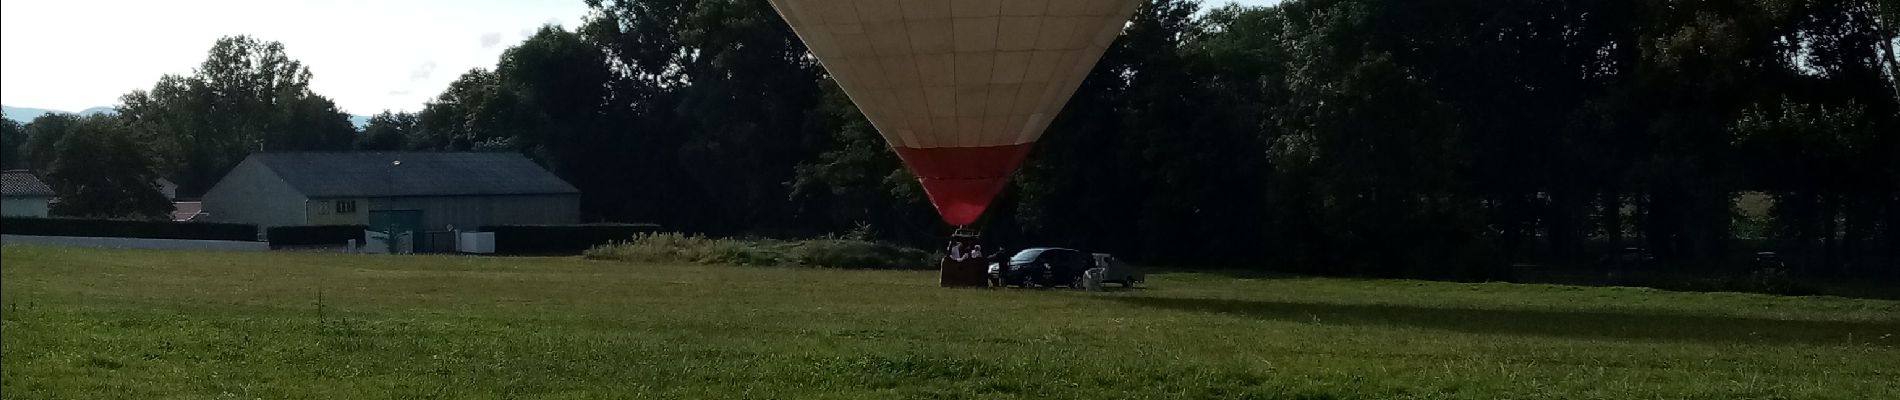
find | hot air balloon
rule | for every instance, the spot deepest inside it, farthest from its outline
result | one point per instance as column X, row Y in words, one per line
column 961, row 89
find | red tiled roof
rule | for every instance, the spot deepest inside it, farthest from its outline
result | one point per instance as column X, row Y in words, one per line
column 187, row 210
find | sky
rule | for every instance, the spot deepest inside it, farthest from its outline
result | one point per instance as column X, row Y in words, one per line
column 367, row 55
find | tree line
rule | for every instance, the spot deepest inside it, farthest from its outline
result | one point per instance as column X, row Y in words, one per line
column 1363, row 137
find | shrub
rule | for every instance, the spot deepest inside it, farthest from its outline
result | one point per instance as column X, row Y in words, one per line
column 821, row 253
column 1767, row 280
column 561, row 239
column 856, row 254
column 314, row 235
column 652, row 247
column 1771, row 280
column 127, row 229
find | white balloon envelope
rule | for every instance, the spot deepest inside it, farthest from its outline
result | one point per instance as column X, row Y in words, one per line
column 960, row 88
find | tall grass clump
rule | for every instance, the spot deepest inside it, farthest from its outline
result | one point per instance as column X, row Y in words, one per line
column 817, row 253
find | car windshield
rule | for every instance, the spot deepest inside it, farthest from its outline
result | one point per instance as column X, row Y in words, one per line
column 1026, row 256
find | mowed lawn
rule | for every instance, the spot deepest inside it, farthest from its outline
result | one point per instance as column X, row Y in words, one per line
column 93, row 324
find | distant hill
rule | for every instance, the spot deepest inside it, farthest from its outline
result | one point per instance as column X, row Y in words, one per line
column 28, row 114
column 24, row 114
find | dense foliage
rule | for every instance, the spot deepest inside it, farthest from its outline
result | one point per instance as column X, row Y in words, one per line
column 12, row 139
column 1366, row 137
column 100, row 171
column 247, row 96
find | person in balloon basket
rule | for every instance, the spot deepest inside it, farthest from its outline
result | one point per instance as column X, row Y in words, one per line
column 963, row 260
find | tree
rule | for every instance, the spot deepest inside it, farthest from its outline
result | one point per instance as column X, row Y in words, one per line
column 102, row 171
column 43, row 136
column 725, row 91
column 247, row 96
column 1811, row 156
column 309, row 122
column 1127, row 165
column 1367, row 137
column 860, row 180
column 453, row 122
column 12, row 140
column 555, row 93
column 559, row 85
column 387, row 131
column 554, row 99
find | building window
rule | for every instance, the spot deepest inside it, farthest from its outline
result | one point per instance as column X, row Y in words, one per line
column 345, row 207
column 323, row 208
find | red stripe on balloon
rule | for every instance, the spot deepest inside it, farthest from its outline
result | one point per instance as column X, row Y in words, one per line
column 961, row 181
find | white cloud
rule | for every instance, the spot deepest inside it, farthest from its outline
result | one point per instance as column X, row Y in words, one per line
column 423, row 71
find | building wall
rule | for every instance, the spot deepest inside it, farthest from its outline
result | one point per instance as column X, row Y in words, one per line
column 252, row 194
column 471, row 212
column 25, row 206
column 326, row 211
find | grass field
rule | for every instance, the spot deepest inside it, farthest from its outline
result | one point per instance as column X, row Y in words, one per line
column 91, row 324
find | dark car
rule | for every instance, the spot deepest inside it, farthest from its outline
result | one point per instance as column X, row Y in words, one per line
column 1043, row 267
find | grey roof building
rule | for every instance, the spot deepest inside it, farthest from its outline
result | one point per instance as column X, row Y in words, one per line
column 21, row 183
column 420, row 192
column 24, row 195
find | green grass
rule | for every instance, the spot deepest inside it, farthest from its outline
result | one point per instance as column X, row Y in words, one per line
column 87, row 324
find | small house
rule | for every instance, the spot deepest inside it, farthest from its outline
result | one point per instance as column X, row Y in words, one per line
column 23, row 195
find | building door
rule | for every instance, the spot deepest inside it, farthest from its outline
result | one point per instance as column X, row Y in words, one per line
column 402, row 222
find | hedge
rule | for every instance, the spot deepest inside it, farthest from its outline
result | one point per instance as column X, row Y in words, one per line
column 314, row 235
column 817, row 253
column 561, row 239
column 127, row 229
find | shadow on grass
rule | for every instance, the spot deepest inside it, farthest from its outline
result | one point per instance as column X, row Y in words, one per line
column 1684, row 281
column 1565, row 324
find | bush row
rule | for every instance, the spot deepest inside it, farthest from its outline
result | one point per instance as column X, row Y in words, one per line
column 127, row 229
column 820, row 253
column 561, row 239
column 315, row 235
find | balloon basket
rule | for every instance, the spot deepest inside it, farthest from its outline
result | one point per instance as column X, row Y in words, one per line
column 964, row 263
